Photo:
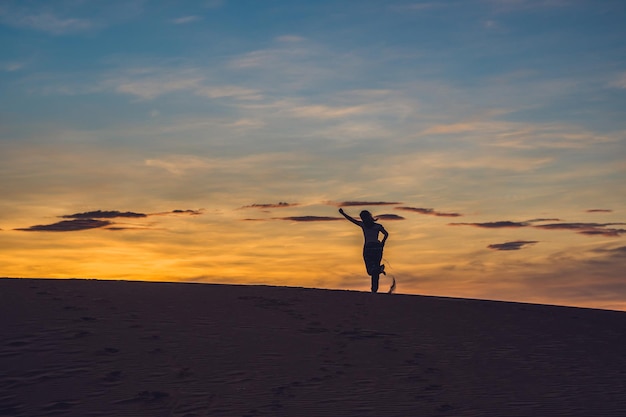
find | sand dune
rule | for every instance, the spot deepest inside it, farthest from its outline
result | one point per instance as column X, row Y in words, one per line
column 109, row 348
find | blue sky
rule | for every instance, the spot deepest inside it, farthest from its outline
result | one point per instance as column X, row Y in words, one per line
column 204, row 115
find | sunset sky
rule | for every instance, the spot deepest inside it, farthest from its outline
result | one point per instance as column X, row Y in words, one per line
column 214, row 141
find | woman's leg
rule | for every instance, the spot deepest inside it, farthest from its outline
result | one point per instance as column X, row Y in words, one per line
column 375, row 278
column 372, row 255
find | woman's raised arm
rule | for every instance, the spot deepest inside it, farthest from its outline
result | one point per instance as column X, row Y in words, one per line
column 347, row 216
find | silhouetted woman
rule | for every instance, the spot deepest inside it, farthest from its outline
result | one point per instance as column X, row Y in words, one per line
column 372, row 247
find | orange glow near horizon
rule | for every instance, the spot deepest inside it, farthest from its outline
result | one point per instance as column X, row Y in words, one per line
column 317, row 254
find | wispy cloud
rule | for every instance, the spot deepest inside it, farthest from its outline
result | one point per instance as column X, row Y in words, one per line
column 494, row 225
column 327, row 112
column 590, row 229
column 292, row 63
column 422, row 6
column 364, row 203
column 231, row 91
column 99, row 214
column 599, row 211
column 179, row 164
column 280, row 204
column 429, row 211
column 619, row 81
column 514, row 135
column 65, row 17
column 68, row 226
column 188, row 211
column 619, row 252
column 508, row 6
column 149, row 85
column 309, row 218
column 11, row 66
column 91, row 220
column 515, row 245
column 45, row 21
column 389, row 217
column 290, row 38
column 246, row 165
column 298, row 219
column 186, row 19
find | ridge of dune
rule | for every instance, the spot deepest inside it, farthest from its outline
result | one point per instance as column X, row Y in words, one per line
column 109, row 348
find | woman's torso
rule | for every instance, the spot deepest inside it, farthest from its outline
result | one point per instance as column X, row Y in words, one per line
column 371, row 233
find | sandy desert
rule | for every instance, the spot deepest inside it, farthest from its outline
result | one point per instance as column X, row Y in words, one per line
column 122, row 348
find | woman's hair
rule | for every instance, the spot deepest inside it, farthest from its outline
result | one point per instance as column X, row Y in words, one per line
column 367, row 218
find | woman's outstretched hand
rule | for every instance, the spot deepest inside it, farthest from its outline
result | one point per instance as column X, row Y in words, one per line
column 341, row 210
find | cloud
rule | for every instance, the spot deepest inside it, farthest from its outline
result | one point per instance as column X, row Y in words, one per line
column 589, row 229
column 309, row 218
column 389, row 217
column 428, row 211
column 516, row 245
column 619, row 81
column 89, row 220
column 46, row 22
column 280, row 204
column 178, row 165
column 493, row 225
column 150, row 86
column 190, row 212
column 11, row 66
column 542, row 220
column 147, row 83
column 319, row 111
column 99, row 214
column 150, row 82
column 68, row 226
column 186, row 19
column 619, row 252
column 290, row 38
column 213, row 4
column 229, row 91
column 508, row 6
column 364, row 203
column 304, row 219
column 421, row 6
column 598, row 211
column 452, row 128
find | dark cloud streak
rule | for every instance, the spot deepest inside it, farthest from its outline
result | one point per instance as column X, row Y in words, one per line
column 89, row 220
column 543, row 220
column 429, row 211
column 493, row 225
column 190, row 212
column 515, row 245
column 99, row 214
column 303, row 219
column 280, row 204
column 589, row 229
column 389, row 217
column 365, row 203
column 68, row 226
column 309, row 218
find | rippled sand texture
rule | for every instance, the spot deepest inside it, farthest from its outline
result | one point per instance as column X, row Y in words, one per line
column 105, row 348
